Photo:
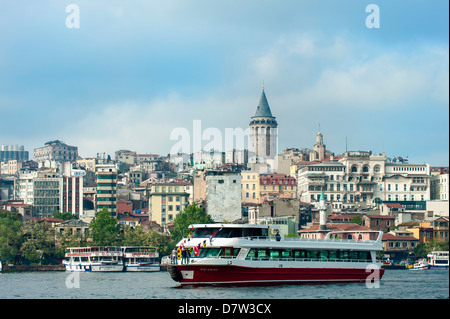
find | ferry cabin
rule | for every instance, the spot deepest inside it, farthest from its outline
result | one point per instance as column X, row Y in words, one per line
column 252, row 254
column 438, row 259
column 107, row 258
column 141, row 258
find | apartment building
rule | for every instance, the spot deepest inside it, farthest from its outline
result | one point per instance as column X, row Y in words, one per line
column 47, row 193
column 277, row 186
column 56, row 151
column 439, row 186
column 106, row 196
column 361, row 179
column 167, row 200
column 250, row 187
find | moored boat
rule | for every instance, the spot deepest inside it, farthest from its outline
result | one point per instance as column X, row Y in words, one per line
column 236, row 254
column 438, row 259
column 421, row 264
column 106, row 258
column 141, row 258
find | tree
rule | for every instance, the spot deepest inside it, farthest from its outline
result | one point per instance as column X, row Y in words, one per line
column 357, row 219
column 192, row 214
column 10, row 235
column 423, row 249
column 64, row 216
column 105, row 230
column 39, row 245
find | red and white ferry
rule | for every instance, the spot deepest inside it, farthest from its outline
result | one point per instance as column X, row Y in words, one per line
column 243, row 254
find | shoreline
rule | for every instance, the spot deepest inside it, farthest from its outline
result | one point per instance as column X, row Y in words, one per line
column 17, row 268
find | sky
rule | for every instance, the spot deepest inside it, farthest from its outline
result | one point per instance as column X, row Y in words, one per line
column 133, row 72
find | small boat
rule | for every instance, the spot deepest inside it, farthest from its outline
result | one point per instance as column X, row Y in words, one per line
column 107, row 258
column 438, row 259
column 140, row 258
column 421, row 264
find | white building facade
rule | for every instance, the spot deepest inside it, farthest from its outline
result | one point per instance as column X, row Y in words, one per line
column 362, row 180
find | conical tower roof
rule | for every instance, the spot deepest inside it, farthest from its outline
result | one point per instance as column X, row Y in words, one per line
column 263, row 108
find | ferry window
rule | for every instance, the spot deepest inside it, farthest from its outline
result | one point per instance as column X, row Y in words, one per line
column 364, row 255
column 333, row 254
column 210, row 252
column 324, row 255
column 343, row 255
column 262, row 254
column 274, row 254
column 286, row 254
column 251, row 255
column 353, row 255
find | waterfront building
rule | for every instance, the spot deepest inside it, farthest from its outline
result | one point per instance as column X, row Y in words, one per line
column 56, row 151
column 263, row 148
column 440, row 227
column 167, row 200
column 73, row 227
column 398, row 245
column 106, row 196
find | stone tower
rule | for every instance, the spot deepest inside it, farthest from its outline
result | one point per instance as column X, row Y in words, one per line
column 319, row 147
column 263, row 146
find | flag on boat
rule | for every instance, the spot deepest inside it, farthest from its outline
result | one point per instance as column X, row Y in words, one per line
column 214, row 234
column 197, row 250
column 204, row 243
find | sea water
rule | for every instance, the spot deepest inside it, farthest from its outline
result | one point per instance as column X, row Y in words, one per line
column 395, row 284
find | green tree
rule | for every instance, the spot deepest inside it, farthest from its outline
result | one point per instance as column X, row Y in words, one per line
column 64, row 216
column 10, row 235
column 133, row 236
column 104, row 229
column 40, row 244
column 192, row 214
column 357, row 219
column 423, row 249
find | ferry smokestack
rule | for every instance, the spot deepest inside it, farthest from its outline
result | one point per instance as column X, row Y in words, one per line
column 322, row 213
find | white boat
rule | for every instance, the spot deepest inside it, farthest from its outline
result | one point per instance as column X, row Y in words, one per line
column 106, row 258
column 238, row 254
column 421, row 264
column 141, row 258
column 438, row 259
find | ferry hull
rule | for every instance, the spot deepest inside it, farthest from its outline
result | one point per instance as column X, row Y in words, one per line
column 94, row 267
column 239, row 275
column 141, row 268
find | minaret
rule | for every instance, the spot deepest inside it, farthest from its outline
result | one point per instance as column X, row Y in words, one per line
column 263, row 132
column 322, row 213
